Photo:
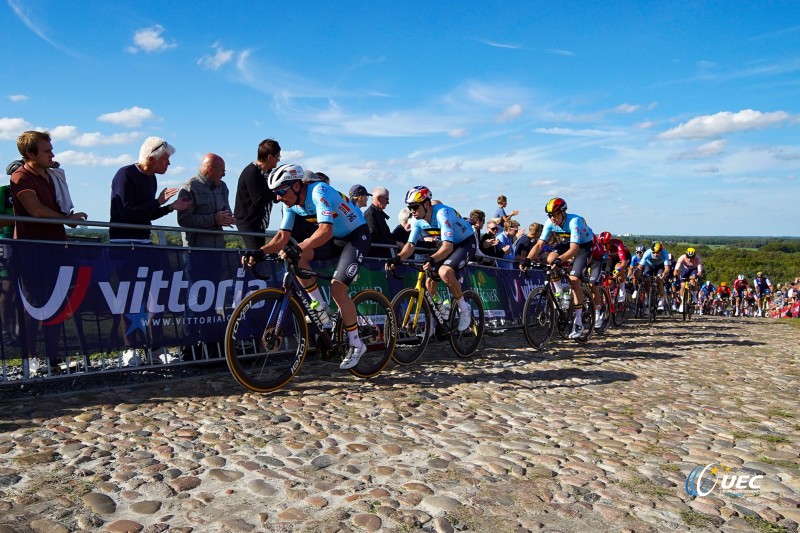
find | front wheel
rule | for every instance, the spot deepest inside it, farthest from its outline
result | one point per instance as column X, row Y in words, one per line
column 414, row 326
column 686, row 303
column 538, row 318
column 464, row 343
column 621, row 308
column 265, row 344
column 605, row 312
column 377, row 329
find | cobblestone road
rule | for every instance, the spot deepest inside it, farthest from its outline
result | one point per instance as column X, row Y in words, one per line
column 596, row 437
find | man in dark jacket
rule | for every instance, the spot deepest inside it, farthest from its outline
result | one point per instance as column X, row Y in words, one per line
column 253, row 198
column 376, row 220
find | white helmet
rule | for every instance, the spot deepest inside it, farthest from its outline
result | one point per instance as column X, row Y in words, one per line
column 741, row 277
column 284, row 174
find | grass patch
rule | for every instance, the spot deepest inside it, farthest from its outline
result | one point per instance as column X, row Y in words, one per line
column 774, row 439
column 778, row 462
column 693, row 518
column 640, row 485
column 669, row 467
column 762, row 525
column 776, row 411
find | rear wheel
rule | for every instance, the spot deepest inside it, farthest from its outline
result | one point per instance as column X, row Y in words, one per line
column 538, row 318
column 413, row 328
column 587, row 316
column 621, row 308
column 605, row 312
column 377, row 329
column 464, row 343
column 262, row 354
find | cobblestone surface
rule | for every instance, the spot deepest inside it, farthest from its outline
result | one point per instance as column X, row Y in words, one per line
column 595, row 437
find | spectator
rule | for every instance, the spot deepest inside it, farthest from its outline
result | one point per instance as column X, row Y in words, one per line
column 39, row 190
column 253, row 198
column 358, row 195
column 133, row 192
column 500, row 213
column 477, row 218
column 376, row 220
column 403, row 230
column 506, row 243
column 526, row 242
column 489, row 241
column 8, row 317
column 209, row 207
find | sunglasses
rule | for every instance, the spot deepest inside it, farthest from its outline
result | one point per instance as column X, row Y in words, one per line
column 413, row 207
column 493, row 228
column 159, row 147
column 282, row 192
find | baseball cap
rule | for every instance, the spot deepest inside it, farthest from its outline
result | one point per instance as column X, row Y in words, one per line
column 358, row 190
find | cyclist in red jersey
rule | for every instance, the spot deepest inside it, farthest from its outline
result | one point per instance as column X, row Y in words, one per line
column 619, row 257
column 739, row 286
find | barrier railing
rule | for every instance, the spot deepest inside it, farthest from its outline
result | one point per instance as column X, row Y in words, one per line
column 80, row 307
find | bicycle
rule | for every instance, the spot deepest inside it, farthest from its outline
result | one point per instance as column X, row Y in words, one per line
column 543, row 311
column 613, row 305
column 687, row 304
column 267, row 337
column 420, row 318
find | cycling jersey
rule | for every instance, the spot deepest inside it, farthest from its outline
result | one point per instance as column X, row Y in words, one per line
column 575, row 228
column 708, row 290
column 762, row 285
column 724, row 292
column 693, row 263
column 598, row 252
column 635, row 260
column 445, row 223
column 617, row 247
column 740, row 284
column 650, row 259
column 325, row 205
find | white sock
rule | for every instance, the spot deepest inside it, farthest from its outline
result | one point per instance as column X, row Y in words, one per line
column 579, row 315
column 462, row 304
column 352, row 336
column 316, row 295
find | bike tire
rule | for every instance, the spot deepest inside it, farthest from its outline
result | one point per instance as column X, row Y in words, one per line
column 587, row 317
column 377, row 328
column 686, row 301
column 653, row 301
column 621, row 309
column 538, row 318
column 465, row 343
column 259, row 357
column 605, row 311
column 413, row 330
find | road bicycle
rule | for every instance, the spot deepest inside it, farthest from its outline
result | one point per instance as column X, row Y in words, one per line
column 420, row 318
column 267, row 337
column 686, row 301
column 613, row 303
column 544, row 311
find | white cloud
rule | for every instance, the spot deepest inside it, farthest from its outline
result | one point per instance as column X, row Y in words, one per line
column 84, row 159
column 626, row 108
column 510, row 113
column 577, row 133
column 214, row 62
column 98, row 139
column 503, row 169
column 707, row 169
column 291, row 155
column 63, row 133
column 724, row 122
column 458, row 133
column 704, row 150
column 502, row 45
column 150, row 40
column 646, row 125
column 10, row 128
column 751, row 180
column 131, row 117
column 556, row 51
column 17, row 97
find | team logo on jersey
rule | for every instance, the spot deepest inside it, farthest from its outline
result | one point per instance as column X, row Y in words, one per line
column 327, row 213
column 352, row 270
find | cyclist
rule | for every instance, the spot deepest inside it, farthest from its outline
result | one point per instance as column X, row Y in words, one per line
column 577, row 246
column 739, row 286
column 619, row 257
column 724, row 293
column 458, row 246
column 633, row 272
column 341, row 231
column 707, row 292
column 654, row 263
column 763, row 288
column 689, row 267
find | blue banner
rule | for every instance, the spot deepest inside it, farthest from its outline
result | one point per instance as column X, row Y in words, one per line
column 74, row 298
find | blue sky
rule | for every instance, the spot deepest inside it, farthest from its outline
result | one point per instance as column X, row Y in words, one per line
column 647, row 117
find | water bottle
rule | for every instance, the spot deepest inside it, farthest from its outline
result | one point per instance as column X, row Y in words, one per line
column 321, row 313
column 566, row 299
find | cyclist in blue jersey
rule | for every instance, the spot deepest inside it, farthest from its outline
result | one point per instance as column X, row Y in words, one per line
column 458, row 245
column 655, row 262
column 763, row 288
column 576, row 245
column 341, row 231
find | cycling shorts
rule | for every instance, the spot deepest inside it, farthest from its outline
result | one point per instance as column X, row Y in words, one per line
column 595, row 271
column 581, row 259
column 687, row 272
column 652, row 270
column 350, row 249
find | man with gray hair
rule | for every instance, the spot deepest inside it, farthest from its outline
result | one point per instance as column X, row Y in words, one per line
column 376, row 220
column 133, row 192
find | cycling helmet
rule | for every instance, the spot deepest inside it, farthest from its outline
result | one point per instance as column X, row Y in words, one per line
column 604, row 237
column 690, row 252
column 640, row 249
column 759, row 274
column 708, row 283
column 740, row 277
column 723, row 284
column 554, row 205
column 657, row 247
column 670, row 257
column 284, row 175
column 418, row 194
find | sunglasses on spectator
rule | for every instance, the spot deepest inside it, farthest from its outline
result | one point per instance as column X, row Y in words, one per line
column 492, row 228
column 159, row 147
column 384, row 198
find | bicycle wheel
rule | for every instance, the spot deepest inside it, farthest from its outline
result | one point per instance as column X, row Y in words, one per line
column 538, row 318
column 413, row 329
column 686, row 303
column 265, row 347
column 605, row 311
column 621, row 309
column 464, row 343
column 377, row 329
column 653, row 301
